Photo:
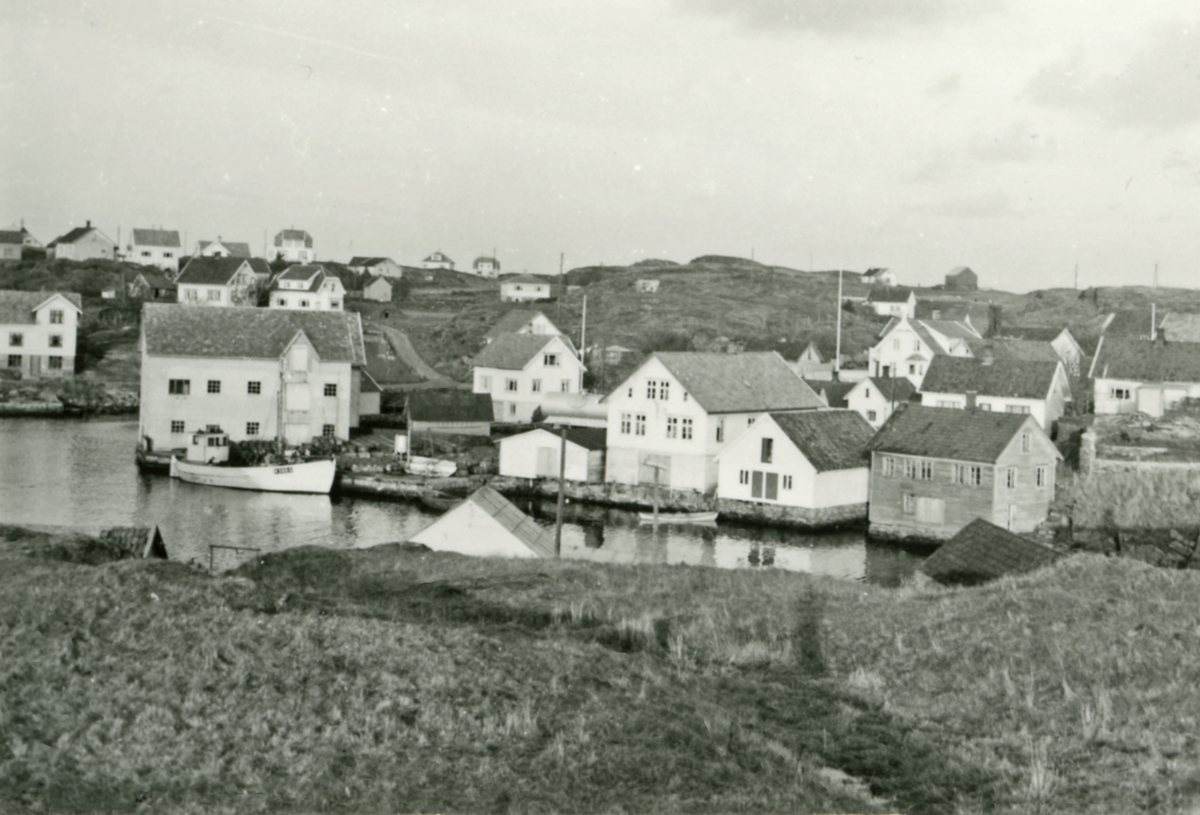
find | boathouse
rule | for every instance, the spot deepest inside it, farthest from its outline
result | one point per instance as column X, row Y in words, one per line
column 536, row 454
column 982, row 551
column 487, row 524
column 448, row 411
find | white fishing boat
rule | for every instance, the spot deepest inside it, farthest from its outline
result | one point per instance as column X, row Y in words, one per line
column 678, row 517
column 206, row 463
column 421, row 465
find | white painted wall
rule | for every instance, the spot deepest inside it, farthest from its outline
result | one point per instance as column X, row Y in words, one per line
column 469, row 530
column 516, row 405
column 520, row 456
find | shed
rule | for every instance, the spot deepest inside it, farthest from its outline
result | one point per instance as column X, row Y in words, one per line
column 982, row 551
column 137, row 541
column 449, row 411
column 648, row 285
column 487, row 524
column 536, row 454
column 377, row 288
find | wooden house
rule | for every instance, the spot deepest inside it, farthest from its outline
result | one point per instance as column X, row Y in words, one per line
column 377, row 288
column 811, row 363
column 535, row 454
column 879, row 277
column 486, row 267
column 38, row 329
column 448, row 411
column 522, row 321
column 487, row 524
column 813, row 463
column 892, row 301
column 307, row 286
column 223, row 249
column 82, row 243
column 381, row 267
column 518, row 369
column 961, row 278
column 1035, row 387
column 1061, row 340
column 153, row 286
column 221, row 281
column 876, row 398
column 646, row 286
column 525, row 288
column 438, row 260
column 155, row 247
column 906, row 347
column 934, row 470
column 1147, row 376
column 982, row 551
column 294, row 246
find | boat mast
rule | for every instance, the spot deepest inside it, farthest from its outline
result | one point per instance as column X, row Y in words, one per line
column 279, row 441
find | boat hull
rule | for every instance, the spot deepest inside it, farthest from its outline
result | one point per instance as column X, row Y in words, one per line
column 419, row 465
column 301, row 476
column 678, row 517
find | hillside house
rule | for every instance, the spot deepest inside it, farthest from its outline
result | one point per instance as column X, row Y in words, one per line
column 813, row 464
column 1037, row 388
column 536, row 454
column 307, row 286
column 82, row 243
column 646, row 286
column 223, row 249
column 893, row 302
column 38, row 329
column 294, row 245
column 961, row 278
column 153, row 286
column 879, row 277
column 522, row 321
column 876, row 398
column 487, row 524
column 678, row 410
column 486, row 267
column 155, row 247
column 906, row 347
column 377, row 288
column 228, row 368
column 384, row 267
column 1061, row 340
column 517, row 369
column 524, row 288
column 977, row 315
column 221, row 281
column 451, row 411
column 438, row 260
column 15, row 243
column 1148, row 376
column 811, row 363
column 934, row 470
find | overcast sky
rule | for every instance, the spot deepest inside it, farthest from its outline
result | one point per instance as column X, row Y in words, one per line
column 1017, row 137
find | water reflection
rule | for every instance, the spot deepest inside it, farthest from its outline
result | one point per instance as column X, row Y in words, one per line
column 81, row 473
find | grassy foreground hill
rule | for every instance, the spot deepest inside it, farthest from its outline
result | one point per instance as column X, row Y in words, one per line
column 395, row 679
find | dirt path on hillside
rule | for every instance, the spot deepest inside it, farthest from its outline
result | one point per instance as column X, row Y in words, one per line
column 405, row 351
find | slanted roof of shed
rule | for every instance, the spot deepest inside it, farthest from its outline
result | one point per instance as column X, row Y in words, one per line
column 512, row 351
column 739, row 383
column 829, row 439
column 835, row 392
column 137, row 541
column 249, row 333
column 156, row 280
column 156, row 237
column 359, row 260
column 949, row 433
column 897, row 389
column 1015, row 378
column 523, row 529
column 1036, row 333
column 1147, row 361
column 512, row 322
column 449, row 406
column 983, row 551
column 896, row 294
column 17, row 307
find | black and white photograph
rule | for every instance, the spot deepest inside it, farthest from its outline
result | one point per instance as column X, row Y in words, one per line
column 619, row 407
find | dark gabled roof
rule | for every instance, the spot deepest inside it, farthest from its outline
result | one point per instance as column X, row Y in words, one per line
column 739, row 383
column 874, row 272
column 294, row 235
column 212, row 271
column 512, row 322
column 155, row 280
column 249, row 333
column 438, row 257
column 512, row 351
column 982, row 551
column 301, row 271
column 1010, row 349
column 72, row 236
column 156, row 237
column 898, row 389
column 11, row 236
column 960, row 270
column 835, row 392
column 1020, row 379
column 589, row 438
column 890, row 294
column 372, row 279
column 449, row 406
column 16, row 307
column 1036, row 333
column 1147, row 361
column 236, row 250
column 525, row 278
column 829, row 439
column 484, row 259
column 954, row 329
column 963, row 435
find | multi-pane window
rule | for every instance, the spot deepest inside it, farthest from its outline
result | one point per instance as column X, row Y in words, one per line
column 510, row 385
column 512, row 409
column 926, row 471
column 1017, row 408
column 56, row 341
column 14, row 360
column 179, row 387
column 327, row 430
column 536, row 385
column 889, row 467
column 253, row 387
column 1010, row 479
column 551, row 360
column 251, row 428
column 919, row 469
column 16, row 339
column 176, row 427
column 214, row 386
column 870, row 415
column 1024, row 442
column 768, row 450
column 331, row 389
column 485, row 382
column 743, row 476
column 626, row 423
column 663, row 392
column 672, row 428
column 910, row 468
column 281, row 301
column 750, row 421
column 1041, row 476
column 303, row 304
column 651, row 389
column 56, row 316
column 192, row 295
column 686, row 432
column 1120, row 393
column 720, row 430
column 639, row 425
column 566, row 386
column 214, row 295
column 787, row 482
column 56, row 363
column 909, row 503
column 968, row 474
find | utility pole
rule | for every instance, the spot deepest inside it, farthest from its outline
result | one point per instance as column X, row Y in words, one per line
column 562, row 286
column 1076, row 275
column 837, row 356
column 562, row 469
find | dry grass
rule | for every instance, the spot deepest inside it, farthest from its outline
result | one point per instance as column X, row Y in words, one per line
column 1150, row 500
column 396, row 680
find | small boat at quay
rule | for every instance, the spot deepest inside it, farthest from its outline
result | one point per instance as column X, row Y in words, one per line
column 678, row 517
column 209, row 449
column 421, row 465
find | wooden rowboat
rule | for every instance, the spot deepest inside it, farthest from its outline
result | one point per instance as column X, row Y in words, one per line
column 678, row 517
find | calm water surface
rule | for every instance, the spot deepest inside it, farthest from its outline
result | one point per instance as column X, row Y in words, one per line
column 82, row 473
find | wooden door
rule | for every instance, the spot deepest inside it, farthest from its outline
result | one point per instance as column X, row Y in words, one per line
column 773, row 486
column 756, row 484
column 931, row 511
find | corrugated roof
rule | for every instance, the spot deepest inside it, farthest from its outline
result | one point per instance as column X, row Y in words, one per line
column 739, row 383
column 889, row 294
column 214, row 271
column 294, row 235
column 512, row 322
column 172, row 330
column 1147, row 361
column 512, row 352
column 829, row 439
column 450, row 405
column 156, row 237
column 963, row 435
column 525, row 529
column 1021, row 379
column 982, row 551
column 16, row 307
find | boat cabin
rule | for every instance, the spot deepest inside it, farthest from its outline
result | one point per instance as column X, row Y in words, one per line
column 209, row 447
